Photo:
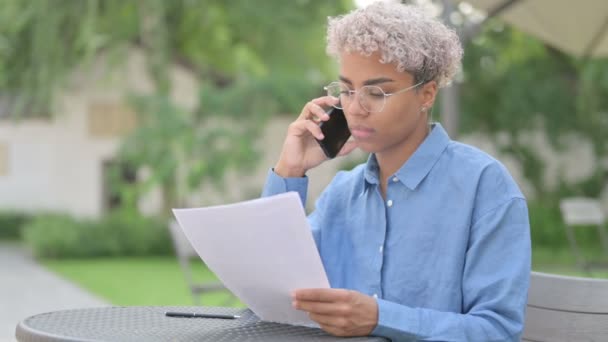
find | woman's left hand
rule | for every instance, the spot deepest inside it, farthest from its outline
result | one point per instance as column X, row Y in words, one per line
column 339, row 312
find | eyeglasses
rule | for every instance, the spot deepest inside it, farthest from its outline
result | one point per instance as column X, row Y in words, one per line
column 371, row 98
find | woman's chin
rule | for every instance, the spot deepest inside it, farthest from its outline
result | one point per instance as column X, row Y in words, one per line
column 367, row 147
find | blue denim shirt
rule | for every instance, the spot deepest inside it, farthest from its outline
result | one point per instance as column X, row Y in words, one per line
column 447, row 254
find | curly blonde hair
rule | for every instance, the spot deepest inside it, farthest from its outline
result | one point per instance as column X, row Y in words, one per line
column 404, row 34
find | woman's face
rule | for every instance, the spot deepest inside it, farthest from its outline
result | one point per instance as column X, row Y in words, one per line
column 402, row 116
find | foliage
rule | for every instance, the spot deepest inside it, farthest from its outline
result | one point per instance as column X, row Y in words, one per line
column 184, row 149
column 253, row 59
column 515, row 84
column 120, row 233
column 42, row 41
column 11, row 224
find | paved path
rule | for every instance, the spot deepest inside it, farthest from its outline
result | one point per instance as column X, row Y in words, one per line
column 26, row 289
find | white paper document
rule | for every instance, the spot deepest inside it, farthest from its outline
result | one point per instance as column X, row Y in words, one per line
column 261, row 250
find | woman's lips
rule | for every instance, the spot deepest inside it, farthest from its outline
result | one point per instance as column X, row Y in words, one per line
column 361, row 132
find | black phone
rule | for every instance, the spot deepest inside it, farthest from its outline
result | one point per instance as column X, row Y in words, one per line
column 335, row 132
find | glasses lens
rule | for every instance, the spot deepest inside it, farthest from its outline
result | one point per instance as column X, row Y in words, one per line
column 372, row 98
column 339, row 91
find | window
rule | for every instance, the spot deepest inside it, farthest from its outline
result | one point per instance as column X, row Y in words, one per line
column 110, row 120
column 115, row 173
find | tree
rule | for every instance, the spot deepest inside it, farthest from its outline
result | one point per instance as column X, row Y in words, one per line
column 220, row 41
column 515, row 84
column 253, row 58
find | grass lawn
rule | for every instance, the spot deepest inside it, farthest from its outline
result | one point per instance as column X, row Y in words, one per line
column 562, row 261
column 138, row 281
column 160, row 281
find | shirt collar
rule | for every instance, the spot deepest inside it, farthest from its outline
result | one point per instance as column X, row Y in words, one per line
column 418, row 166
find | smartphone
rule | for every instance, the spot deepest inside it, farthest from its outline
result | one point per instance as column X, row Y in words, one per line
column 336, row 132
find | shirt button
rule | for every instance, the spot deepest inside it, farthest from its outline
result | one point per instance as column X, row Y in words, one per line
column 381, row 249
column 375, row 295
column 389, row 203
column 395, row 179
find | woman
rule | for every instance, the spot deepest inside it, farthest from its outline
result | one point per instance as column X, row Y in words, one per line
column 429, row 239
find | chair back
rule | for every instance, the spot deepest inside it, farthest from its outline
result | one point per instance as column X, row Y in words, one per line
column 582, row 211
column 562, row 308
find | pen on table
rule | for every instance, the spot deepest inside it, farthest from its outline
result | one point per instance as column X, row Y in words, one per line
column 199, row 315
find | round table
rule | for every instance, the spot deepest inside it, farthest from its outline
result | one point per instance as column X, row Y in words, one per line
column 149, row 323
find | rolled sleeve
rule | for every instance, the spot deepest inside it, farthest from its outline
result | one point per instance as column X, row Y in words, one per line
column 276, row 184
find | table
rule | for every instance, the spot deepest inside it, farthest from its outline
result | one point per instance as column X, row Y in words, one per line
column 148, row 323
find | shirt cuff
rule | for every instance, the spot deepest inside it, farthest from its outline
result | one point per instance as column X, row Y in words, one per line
column 396, row 321
column 276, row 184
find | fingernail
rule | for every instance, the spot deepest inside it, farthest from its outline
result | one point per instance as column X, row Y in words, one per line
column 321, row 136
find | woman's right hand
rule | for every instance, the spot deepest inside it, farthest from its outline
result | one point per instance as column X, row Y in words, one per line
column 300, row 151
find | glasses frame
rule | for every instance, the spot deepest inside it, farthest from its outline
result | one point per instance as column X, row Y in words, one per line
column 358, row 97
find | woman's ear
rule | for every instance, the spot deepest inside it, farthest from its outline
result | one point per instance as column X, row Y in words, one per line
column 428, row 93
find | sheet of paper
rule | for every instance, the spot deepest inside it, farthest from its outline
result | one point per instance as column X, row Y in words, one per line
column 261, row 250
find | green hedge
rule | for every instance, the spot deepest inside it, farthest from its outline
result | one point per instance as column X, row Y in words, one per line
column 548, row 229
column 11, row 224
column 118, row 234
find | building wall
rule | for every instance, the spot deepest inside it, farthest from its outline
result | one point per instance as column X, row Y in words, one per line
column 51, row 166
column 56, row 164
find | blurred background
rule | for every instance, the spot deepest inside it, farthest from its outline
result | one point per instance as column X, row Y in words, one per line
column 114, row 111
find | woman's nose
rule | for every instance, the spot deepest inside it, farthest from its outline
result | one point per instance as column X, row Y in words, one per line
column 355, row 107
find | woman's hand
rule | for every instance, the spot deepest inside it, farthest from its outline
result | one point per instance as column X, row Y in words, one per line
column 300, row 151
column 339, row 312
